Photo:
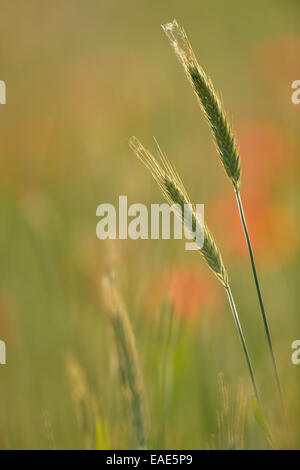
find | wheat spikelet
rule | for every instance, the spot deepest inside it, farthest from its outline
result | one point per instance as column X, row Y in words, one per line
column 128, row 359
column 209, row 101
column 173, row 190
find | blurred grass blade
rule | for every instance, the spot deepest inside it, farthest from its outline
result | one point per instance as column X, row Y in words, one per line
column 128, row 359
column 102, row 435
column 82, row 400
column 261, row 420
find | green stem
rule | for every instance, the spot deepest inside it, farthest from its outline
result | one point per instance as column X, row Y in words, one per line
column 242, row 338
column 242, row 215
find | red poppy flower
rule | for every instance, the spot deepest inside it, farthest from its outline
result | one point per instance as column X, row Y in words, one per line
column 186, row 288
column 266, row 154
column 272, row 228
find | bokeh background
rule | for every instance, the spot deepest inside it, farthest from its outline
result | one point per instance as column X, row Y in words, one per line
column 81, row 78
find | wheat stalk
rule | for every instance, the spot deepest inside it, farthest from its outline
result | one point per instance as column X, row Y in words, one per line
column 127, row 354
column 173, row 190
column 226, row 146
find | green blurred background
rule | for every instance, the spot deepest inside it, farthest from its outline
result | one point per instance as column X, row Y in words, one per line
column 81, row 78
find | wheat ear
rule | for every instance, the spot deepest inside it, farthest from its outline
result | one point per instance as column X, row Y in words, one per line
column 173, row 190
column 128, row 359
column 226, row 146
column 208, row 99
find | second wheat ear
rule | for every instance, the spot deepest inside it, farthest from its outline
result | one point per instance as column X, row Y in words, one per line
column 226, row 145
column 173, row 190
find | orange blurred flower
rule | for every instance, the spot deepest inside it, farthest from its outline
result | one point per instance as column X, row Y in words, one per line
column 186, row 288
column 266, row 154
column 272, row 228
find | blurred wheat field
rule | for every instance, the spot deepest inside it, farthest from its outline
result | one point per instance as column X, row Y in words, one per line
column 81, row 78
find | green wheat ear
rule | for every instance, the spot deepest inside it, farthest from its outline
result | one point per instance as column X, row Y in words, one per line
column 174, row 192
column 209, row 101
